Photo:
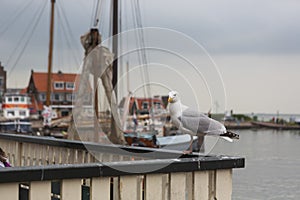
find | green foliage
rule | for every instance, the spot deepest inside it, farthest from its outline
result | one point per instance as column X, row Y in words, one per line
column 242, row 117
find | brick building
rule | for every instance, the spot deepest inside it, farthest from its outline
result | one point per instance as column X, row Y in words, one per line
column 2, row 81
column 63, row 91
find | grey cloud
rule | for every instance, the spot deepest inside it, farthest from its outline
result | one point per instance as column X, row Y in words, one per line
column 233, row 26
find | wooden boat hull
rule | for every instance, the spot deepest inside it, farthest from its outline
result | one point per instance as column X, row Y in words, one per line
column 276, row 126
column 16, row 126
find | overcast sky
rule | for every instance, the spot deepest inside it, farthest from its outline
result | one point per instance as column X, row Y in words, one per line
column 254, row 43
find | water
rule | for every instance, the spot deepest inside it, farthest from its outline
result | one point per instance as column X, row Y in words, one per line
column 272, row 164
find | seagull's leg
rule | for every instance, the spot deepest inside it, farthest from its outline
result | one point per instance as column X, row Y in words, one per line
column 190, row 146
column 201, row 143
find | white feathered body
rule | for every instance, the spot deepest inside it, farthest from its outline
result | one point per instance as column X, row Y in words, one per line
column 193, row 122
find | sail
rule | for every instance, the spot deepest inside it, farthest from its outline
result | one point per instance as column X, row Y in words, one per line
column 96, row 68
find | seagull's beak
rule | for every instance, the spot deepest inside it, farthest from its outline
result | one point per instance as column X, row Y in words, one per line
column 170, row 100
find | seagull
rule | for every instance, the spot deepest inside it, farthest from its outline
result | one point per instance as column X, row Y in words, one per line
column 193, row 122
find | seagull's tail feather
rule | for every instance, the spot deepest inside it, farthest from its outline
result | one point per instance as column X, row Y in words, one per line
column 230, row 134
column 227, row 139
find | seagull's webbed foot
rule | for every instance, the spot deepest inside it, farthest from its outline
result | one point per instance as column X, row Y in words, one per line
column 186, row 152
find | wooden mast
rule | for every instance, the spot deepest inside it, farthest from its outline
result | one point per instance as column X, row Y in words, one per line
column 50, row 55
column 115, row 32
column 94, row 35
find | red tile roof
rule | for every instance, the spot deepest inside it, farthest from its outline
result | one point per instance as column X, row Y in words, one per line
column 40, row 81
column 140, row 100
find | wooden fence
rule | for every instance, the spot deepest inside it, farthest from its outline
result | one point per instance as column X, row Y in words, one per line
column 173, row 177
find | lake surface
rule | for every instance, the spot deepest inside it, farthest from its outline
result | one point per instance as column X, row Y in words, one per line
column 272, row 164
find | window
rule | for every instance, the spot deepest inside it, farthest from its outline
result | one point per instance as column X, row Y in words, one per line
column 22, row 99
column 57, row 97
column 42, row 97
column 9, row 99
column 65, row 113
column 1, row 81
column 70, row 86
column 70, row 97
column 22, row 113
column 11, row 113
column 157, row 105
column 16, row 99
column 145, row 105
column 59, row 85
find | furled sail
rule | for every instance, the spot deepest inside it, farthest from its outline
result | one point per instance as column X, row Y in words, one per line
column 97, row 66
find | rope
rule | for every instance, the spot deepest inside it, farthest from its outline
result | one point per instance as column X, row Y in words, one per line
column 12, row 19
column 67, row 31
column 37, row 20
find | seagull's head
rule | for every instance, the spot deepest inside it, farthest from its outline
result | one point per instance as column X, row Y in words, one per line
column 173, row 97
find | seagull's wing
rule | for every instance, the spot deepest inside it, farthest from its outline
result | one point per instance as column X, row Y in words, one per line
column 197, row 122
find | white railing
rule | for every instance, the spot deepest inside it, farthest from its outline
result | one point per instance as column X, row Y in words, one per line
column 176, row 184
column 192, row 177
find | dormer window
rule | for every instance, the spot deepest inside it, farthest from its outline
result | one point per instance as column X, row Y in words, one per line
column 70, row 85
column 58, row 85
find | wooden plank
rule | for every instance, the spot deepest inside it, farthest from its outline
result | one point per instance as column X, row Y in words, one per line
column 166, row 186
column 29, row 154
column 64, row 156
column 33, row 154
column 154, row 187
column 40, row 190
column 130, row 188
column 50, row 155
column 24, row 154
column 44, row 158
column 178, row 186
column 140, row 186
column 71, row 189
column 9, row 191
column 201, row 185
column 76, row 156
column 19, row 156
column 224, row 184
column 56, row 154
column 45, row 155
column 116, row 188
column 100, row 188
column 39, row 154
column 71, row 156
column 189, row 186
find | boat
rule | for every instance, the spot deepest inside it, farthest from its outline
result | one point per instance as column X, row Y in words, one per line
column 95, row 70
column 177, row 142
column 297, row 121
column 277, row 126
column 16, row 114
column 174, row 142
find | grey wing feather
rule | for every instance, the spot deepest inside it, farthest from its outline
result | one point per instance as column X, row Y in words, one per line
column 197, row 122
